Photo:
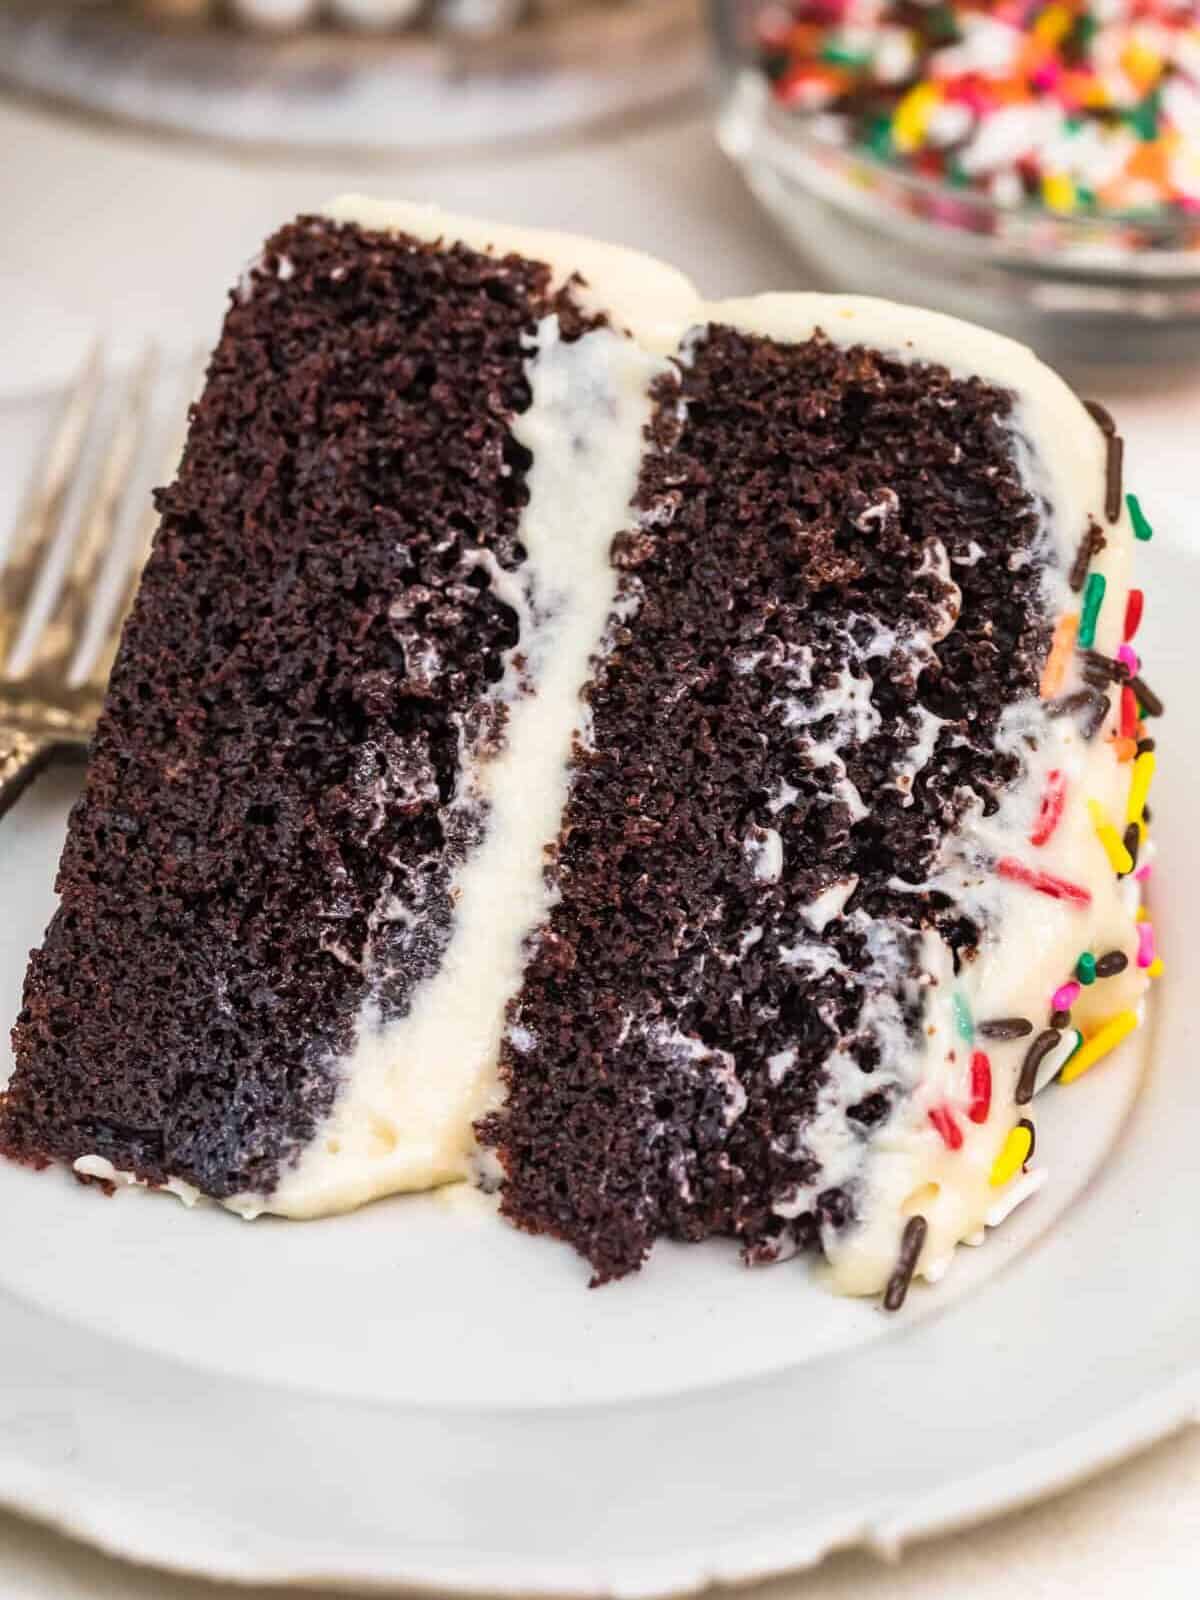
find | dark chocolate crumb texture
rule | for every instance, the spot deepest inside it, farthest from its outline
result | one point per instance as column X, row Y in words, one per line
column 644, row 754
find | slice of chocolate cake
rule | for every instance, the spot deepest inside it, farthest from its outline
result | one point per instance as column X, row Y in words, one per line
column 628, row 749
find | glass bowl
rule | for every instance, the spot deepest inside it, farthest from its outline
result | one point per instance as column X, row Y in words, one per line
column 1084, row 289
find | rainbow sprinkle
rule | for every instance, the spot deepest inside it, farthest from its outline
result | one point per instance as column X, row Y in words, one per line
column 1014, row 1153
column 1141, row 528
column 1065, row 996
column 1050, row 809
column 981, row 1087
column 1114, row 847
column 1054, row 673
column 1070, row 107
column 1043, row 882
column 942, row 1119
column 963, row 1022
column 1106, row 1038
column 1139, row 788
column 1093, row 599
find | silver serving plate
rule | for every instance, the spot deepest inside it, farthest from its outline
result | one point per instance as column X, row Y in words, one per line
column 571, row 69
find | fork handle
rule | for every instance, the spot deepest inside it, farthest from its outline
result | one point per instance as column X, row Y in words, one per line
column 22, row 755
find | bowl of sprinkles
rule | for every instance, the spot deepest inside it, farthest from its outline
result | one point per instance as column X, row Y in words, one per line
column 1034, row 165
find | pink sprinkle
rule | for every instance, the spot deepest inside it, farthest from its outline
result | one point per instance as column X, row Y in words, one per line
column 1145, row 935
column 1142, row 873
column 1063, row 999
column 1047, row 76
column 1129, row 656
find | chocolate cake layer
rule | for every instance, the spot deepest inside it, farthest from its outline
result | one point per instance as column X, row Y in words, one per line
column 836, row 576
column 267, row 830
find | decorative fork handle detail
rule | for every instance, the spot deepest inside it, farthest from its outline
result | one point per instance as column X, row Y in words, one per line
column 22, row 755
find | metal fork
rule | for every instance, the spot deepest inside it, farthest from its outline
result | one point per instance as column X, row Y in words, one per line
column 49, row 699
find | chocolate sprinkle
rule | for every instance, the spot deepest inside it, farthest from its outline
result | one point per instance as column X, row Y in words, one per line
column 1144, row 746
column 1094, row 720
column 1005, row 1028
column 1059, row 1019
column 1132, row 839
column 1150, row 703
column 1113, row 474
column 911, row 1242
column 1066, row 705
column 1109, row 965
column 1102, row 670
column 1025, row 1123
column 1034, row 1056
column 1101, row 416
column 1091, row 544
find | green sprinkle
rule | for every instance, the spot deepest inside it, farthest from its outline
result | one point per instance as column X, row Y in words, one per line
column 879, row 137
column 1141, row 528
column 1078, row 1044
column 956, row 175
column 843, row 55
column 941, row 25
column 1085, row 968
column 1143, row 119
column 962, row 1018
column 1093, row 599
column 1074, row 124
column 1086, row 198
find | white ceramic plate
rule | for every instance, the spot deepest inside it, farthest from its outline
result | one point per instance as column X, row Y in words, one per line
column 416, row 1395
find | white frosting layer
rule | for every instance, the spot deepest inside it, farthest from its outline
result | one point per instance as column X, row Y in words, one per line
column 412, row 1089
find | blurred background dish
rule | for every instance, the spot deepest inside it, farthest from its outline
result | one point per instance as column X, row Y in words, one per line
column 1035, row 166
column 357, row 77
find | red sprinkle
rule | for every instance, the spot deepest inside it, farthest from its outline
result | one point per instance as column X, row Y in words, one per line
column 981, row 1087
column 945, row 1124
column 1051, row 809
column 1133, row 612
column 1044, row 882
column 1129, row 713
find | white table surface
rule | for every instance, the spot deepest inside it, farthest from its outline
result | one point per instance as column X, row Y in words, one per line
column 130, row 235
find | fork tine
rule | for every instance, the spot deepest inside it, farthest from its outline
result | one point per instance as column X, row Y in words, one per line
column 54, row 648
column 39, row 518
column 176, row 435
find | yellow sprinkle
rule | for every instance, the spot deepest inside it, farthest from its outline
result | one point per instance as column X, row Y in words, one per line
column 1119, row 858
column 1141, row 915
column 1013, row 1153
column 912, row 115
column 1053, row 25
column 1141, row 64
column 1105, row 1038
column 1155, row 969
column 1139, row 788
column 1143, row 832
column 1058, row 191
